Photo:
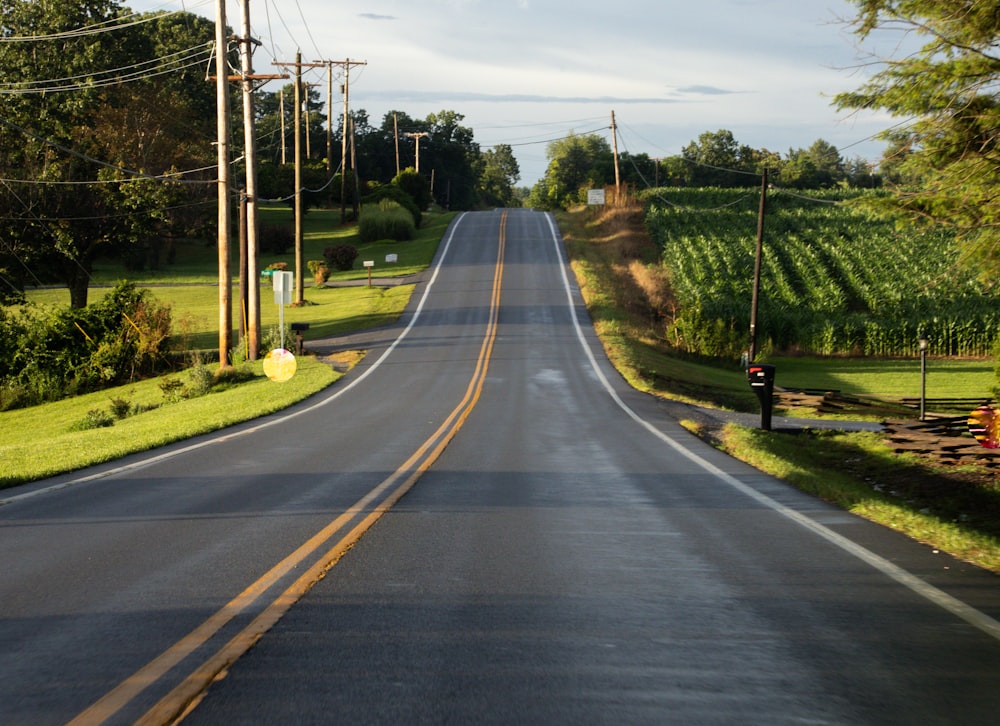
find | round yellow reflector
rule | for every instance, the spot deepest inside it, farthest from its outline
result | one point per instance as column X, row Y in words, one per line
column 279, row 365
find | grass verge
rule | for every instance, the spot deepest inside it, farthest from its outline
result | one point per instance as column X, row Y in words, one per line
column 46, row 440
column 627, row 294
column 950, row 509
column 151, row 419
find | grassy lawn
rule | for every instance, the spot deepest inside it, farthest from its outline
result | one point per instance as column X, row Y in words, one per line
column 189, row 287
column 161, row 421
column 889, row 379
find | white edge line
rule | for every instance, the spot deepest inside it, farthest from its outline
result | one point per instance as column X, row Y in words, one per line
column 966, row 612
column 271, row 422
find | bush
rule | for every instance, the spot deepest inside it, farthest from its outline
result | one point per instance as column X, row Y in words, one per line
column 320, row 270
column 65, row 351
column 397, row 194
column 386, row 221
column 275, row 239
column 415, row 186
column 340, row 257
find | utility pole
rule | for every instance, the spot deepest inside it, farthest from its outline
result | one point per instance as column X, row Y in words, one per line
column 756, row 268
column 298, row 179
column 249, row 276
column 222, row 140
column 297, row 122
column 417, row 135
column 329, row 131
column 395, row 135
column 614, row 140
column 346, row 87
column 281, row 102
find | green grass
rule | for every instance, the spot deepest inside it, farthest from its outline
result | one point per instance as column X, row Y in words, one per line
column 957, row 510
column 889, row 379
column 42, row 441
column 860, row 473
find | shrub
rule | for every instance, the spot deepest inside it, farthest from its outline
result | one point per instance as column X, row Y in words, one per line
column 341, row 257
column 95, row 419
column 120, row 408
column 65, row 351
column 275, row 239
column 396, row 194
column 320, row 270
column 386, row 221
column 415, row 186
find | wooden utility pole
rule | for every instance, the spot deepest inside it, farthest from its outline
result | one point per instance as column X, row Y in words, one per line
column 346, row 64
column 395, row 135
column 222, row 139
column 329, row 131
column 417, row 135
column 297, row 134
column 284, row 142
column 752, row 353
column 298, row 179
column 614, row 141
column 249, row 277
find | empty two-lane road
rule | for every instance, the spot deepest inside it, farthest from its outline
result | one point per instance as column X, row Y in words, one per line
column 552, row 547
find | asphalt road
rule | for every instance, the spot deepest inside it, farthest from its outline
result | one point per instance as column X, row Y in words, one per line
column 481, row 523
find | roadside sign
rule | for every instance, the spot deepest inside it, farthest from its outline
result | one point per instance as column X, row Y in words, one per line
column 595, row 197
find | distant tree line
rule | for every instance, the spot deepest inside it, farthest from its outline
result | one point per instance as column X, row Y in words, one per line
column 107, row 143
column 714, row 159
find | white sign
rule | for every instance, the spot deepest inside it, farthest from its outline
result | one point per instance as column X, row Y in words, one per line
column 595, row 196
column 369, row 263
column 283, row 283
column 391, row 258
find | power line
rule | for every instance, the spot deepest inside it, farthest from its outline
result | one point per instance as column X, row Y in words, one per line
column 194, row 57
column 105, row 26
column 99, row 162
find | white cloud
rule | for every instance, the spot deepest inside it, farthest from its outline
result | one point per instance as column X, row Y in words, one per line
column 671, row 69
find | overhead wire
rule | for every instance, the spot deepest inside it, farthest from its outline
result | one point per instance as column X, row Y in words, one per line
column 108, row 165
column 105, row 26
column 138, row 72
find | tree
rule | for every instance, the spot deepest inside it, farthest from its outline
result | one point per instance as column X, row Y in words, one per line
column 450, row 151
column 716, row 159
column 576, row 163
column 818, row 167
column 947, row 87
column 498, row 174
column 81, row 143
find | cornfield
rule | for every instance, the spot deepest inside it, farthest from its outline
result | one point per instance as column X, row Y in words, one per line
column 835, row 278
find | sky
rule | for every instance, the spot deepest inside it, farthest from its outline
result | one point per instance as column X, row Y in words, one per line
column 525, row 72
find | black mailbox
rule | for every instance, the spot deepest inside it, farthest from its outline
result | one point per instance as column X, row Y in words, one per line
column 761, row 378
column 297, row 328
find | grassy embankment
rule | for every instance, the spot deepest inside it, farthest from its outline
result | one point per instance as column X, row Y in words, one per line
column 954, row 509
column 46, row 440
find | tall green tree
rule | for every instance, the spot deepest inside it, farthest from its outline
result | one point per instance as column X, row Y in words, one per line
column 576, row 163
column 948, row 155
column 78, row 124
column 498, row 175
column 818, row 167
column 716, row 159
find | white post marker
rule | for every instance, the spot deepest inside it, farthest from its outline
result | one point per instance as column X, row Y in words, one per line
column 279, row 364
column 369, row 264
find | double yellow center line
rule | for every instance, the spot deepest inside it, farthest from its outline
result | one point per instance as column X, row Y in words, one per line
column 370, row 508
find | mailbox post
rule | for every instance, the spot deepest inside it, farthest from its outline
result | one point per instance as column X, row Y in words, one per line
column 761, row 378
